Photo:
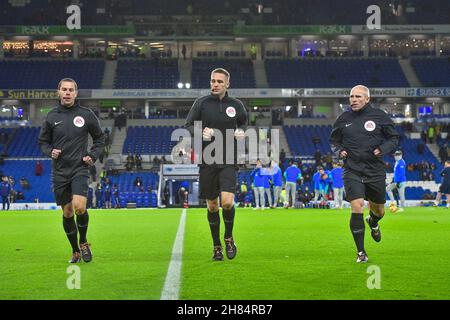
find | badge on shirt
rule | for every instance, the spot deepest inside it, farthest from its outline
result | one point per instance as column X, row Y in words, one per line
column 78, row 121
column 370, row 125
column 231, row 112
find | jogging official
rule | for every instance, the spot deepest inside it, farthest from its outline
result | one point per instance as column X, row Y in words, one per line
column 220, row 115
column 64, row 138
column 362, row 136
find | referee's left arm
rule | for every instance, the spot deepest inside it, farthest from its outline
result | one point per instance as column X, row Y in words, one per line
column 242, row 118
column 336, row 136
column 194, row 115
column 391, row 136
column 45, row 139
column 98, row 138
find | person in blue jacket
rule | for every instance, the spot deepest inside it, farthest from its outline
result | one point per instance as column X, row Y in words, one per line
column 267, row 179
column 258, row 185
column 5, row 190
column 277, row 178
column 399, row 181
column 338, row 185
column 325, row 185
column 316, row 182
column 292, row 174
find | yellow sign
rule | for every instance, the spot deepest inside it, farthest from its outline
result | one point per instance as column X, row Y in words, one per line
column 29, row 94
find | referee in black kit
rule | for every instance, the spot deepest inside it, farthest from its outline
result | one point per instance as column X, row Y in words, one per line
column 362, row 136
column 217, row 113
column 64, row 138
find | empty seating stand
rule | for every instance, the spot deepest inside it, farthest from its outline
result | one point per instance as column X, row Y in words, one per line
column 432, row 72
column 334, row 73
column 148, row 140
column 147, row 74
column 25, row 143
column 46, row 74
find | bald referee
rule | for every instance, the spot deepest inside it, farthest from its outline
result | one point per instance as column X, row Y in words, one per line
column 362, row 136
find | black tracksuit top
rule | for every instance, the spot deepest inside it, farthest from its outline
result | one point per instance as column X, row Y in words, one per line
column 360, row 133
column 67, row 129
column 228, row 113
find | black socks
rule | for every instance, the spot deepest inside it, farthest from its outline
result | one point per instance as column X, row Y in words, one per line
column 214, row 225
column 82, row 223
column 374, row 220
column 357, row 227
column 228, row 219
column 72, row 233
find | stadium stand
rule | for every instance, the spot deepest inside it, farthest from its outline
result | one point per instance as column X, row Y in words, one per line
column 327, row 73
column 432, row 72
column 242, row 75
column 45, row 74
column 128, row 193
column 39, row 185
column 148, row 140
column 25, row 143
column 305, row 146
column 147, row 74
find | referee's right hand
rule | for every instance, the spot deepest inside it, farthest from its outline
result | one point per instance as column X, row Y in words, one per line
column 55, row 153
column 343, row 154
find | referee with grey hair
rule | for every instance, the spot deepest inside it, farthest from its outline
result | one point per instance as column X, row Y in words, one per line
column 361, row 136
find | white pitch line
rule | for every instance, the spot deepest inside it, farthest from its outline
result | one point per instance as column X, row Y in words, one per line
column 171, row 289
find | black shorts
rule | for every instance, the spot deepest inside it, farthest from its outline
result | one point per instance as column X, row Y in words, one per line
column 64, row 191
column 444, row 188
column 357, row 187
column 214, row 180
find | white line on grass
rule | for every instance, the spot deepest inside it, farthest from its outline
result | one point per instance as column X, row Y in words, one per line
column 171, row 290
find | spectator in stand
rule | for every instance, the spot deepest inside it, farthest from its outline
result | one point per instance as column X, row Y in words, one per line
column 99, row 196
column 443, row 154
column 430, row 134
column 328, row 161
column 318, row 157
column 138, row 182
column 107, row 196
column 423, row 136
column 115, row 193
column 5, row 190
column 138, row 161
column 38, row 169
column 282, row 158
column 24, row 183
column 420, row 148
column 90, row 198
column 130, row 162
column 243, row 192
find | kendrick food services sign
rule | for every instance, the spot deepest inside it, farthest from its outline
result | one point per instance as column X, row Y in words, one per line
column 286, row 30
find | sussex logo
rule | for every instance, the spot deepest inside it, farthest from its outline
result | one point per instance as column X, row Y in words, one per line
column 78, row 121
column 370, row 125
column 231, row 112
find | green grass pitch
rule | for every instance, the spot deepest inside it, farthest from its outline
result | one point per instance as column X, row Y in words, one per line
column 282, row 254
